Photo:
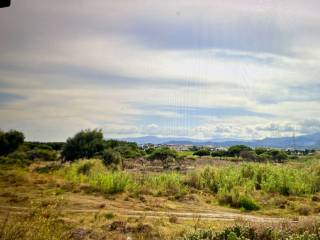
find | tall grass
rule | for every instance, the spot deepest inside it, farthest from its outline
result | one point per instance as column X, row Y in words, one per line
column 283, row 179
column 234, row 185
column 168, row 184
column 95, row 174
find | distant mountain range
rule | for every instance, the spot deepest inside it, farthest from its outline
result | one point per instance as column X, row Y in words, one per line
column 299, row 142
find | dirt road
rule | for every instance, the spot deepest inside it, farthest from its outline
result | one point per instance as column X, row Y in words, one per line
column 209, row 216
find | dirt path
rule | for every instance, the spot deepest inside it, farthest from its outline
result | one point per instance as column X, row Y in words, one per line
column 210, row 216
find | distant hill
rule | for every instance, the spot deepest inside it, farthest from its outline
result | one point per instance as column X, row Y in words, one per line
column 300, row 142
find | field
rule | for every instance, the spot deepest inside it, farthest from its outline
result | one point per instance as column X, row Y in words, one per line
column 93, row 201
column 89, row 188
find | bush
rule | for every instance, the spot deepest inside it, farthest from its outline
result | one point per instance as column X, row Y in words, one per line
column 238, row 200
column 85, row 168
column 304, row 210
column 126, row 149
column 10, row 141
column 150, row 150
column 16, row 158
column 219, row 153
column 264, row 157
column 202, row 152
column 111, row 157
column 165, row 155
column 248, row 155
column 248, row 203
column 260, row 150
column 234, row 151
column 18, row 155
column 85, row 144
column 278, row 155
column 42, row 154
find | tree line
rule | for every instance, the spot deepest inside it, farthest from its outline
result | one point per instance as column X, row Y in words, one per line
column 88, row 144
column 259, row 154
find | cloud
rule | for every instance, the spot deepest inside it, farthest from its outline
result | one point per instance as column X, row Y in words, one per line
column 280, row 127
column 204, row 69
column 217, row 112
column 7, row 98
column 309, row 126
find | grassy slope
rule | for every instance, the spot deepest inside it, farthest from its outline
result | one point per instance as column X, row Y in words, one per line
column 20, row 187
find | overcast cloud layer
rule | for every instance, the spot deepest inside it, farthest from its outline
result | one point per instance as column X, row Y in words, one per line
column 203, row 69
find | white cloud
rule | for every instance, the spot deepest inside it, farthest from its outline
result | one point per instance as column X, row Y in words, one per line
column 90, row 69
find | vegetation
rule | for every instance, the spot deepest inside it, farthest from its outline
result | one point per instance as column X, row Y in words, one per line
column 24, row 155
column 202, row 152
column 42, row 222
column 85, row 144
column 165, row 155
column 235, row 151
column 10, row 141
column 242, row 152
column 126, row 149
column 268, row 181
column 234, row 186
column 245, row 231
column 111, row 157
column 56, row 146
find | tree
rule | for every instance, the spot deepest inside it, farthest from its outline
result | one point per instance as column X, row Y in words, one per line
column 248, row 155
column 260, row 150
column 126, row 149
column 278, row 155
column 264, row 157
column 150, row 150
column 202, row 152
column 42, row 154
column 219, row 153
column 234, row 151
column 85, row 144
column 10, row 141
column 164, row 154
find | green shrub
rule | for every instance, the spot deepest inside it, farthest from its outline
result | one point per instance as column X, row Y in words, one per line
column 238, row 200
column 16, row 158
column 10, row 141
column 163, row 153
column 111, row 157
column 260, row 150
column 42, row 154
column 49, row 168
column 248, row 203
column 202, row 152
column 234, row 151
column 85, row 168
column 264, row 157
column 126, row 149
column 85, row 144
column 219, row 153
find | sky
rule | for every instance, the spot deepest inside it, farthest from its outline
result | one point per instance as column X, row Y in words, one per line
column 201, row 69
